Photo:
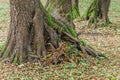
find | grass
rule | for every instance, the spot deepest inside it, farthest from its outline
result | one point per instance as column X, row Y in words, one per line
column 105, row 39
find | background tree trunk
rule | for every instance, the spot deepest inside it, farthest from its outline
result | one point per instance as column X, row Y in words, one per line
column 64, row 10
column 97, row 11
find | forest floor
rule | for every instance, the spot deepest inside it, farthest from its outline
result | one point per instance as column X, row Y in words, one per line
column 105, row 39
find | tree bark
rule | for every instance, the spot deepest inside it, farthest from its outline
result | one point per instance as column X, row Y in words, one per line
column 33, row 31
column 26, row 31
column 98, row 10
column 64, row 10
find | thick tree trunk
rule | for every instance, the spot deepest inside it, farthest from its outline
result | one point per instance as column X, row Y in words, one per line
column 33, row 31
column 64, row 10
column 97, row 11
column 26, row 31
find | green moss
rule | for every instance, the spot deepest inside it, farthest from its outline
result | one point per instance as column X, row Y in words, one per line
column 70, row 15
column 75, row 12
column 58, row 39
column 72, row 32
column 51, row 6
column 1, row 47
column 83, row 42
column 92, row 11
column 15, row 61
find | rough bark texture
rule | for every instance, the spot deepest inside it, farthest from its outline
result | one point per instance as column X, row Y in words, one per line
column 64, row 10
column 33, row 31
column 98, row 10
column 26, row 31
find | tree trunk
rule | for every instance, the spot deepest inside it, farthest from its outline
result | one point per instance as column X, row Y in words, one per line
column 64, row 10
column 26, row 31
column 33, row 32
column 97, row 11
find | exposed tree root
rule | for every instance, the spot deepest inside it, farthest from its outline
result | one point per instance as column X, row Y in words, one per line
column 46, row 39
